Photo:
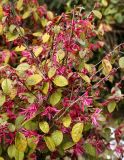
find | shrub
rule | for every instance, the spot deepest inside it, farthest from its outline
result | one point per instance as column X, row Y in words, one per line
column 55, row 99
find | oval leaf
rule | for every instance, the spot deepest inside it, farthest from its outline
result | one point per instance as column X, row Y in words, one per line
column 111, row 106
column 57, row 137
column 2, row 100
column 50, row 143
column 97, row 14
column 66, row 121
column 11, row 151
column 20, row 142
column 107, row 67
column 51, row 72
column 44, row 126
column 34, row 79
column 121, row 62
column 76, row 132
column 6, row 86
column 55, row 98
column 60, row 81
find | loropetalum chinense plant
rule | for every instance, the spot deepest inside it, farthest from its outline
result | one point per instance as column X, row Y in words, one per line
column 55, row 101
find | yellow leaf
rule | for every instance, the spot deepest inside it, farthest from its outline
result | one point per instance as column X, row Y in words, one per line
column 50, row 143
column 60, row 81
column 51, row 72
column 1, row 29
column 57, row 137
column 97, row 14
column 6, row 86
column 7, row 56
column 20, row 48
column 76, row 132
column 20, row 142
column 107, row 67
column 26, row 14
column 55, row 98
column 84, row 77
column 13, row 93
column 45, row 37
column 1, row 11
column 37, row 50
column 22, row 67
column 37, row 34
column 60, row 55
column 44, row 126
column 50, row 15
column 2, row 100
column 19, row 4
column 66, row 121
column 45, row 88
column 34, row 79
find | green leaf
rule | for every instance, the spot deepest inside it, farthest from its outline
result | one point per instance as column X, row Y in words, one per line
column 19, row 4
column 76, row 132
column 22, row 67
column 20, row 142
column 45, row 88
column 60, row 81
column 11, row 151
column 44, row 126
column 51, row 72
column 32, row 142
column 55, row 98
column 6, row 86
column 90, row 149
column 11, row 36
column 19, row 155
column 111, row 106
column 66, row 121
column 34, row 79
column 60, row 55
column 97, row 14
column 1, row 158
column 67, row 145
column 26, row 14
column 50, row 143
column 57, row 137
column 2, row 100
column 121, row 62
column 11, row 127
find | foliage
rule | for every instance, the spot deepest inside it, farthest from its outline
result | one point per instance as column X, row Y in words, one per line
column 54, row 96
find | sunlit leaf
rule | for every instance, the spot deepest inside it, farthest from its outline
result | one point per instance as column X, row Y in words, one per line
column 44, row 126
column 60, row 55
column 85, row 77
column 19, row 155
column 107, row 67
column 20, row 48
column 50, row 143
column 51, row 72
column 20, row 142
column 11, row 151
column 76, row 132
column 2, row 100
column 97, row 13
column 37, row 50
column 19, row 4
column 45, row 88
column 26, row 14
column 34, row 79
column 45, row 37
column 66, row 121
column 68, row 145
column 13, row 93
column 55, row 98
column 22, row 67
column 121, row 62
column 6, row 86
column 57, row 137
column 60, row 81
column 37, row 34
